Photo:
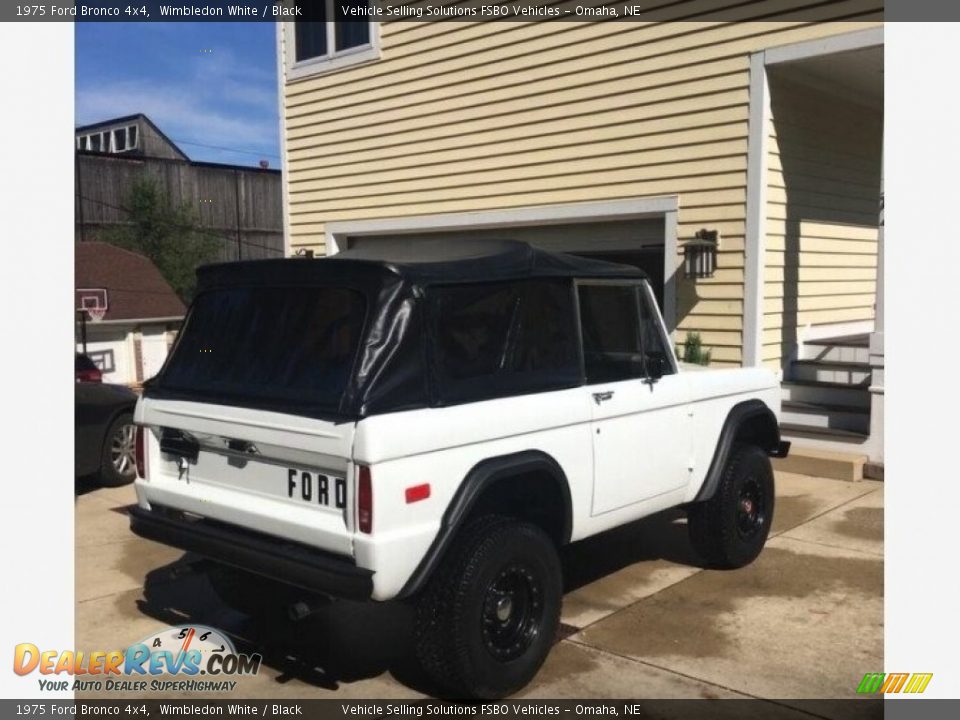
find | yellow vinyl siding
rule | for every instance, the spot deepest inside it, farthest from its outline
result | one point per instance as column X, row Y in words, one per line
column 823, row 190
column 459, row 117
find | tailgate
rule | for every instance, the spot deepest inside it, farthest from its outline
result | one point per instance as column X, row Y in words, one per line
column 283, row 475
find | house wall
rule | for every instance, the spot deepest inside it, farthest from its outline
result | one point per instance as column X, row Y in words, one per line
column 459, row 117
column 120, row 341
column 153, row 144
column 823, row 196
column 117, row 340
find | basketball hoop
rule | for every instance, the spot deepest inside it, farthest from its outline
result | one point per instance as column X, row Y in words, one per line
column 92, row 303
column 96, row 314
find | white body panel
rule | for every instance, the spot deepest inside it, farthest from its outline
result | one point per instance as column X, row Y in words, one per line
column 641, row 440
column 653, row 451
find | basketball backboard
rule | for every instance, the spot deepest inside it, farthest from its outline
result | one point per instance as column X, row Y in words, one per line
column 94, row 302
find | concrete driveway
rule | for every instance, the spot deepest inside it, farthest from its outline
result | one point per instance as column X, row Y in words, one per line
column 641, row 619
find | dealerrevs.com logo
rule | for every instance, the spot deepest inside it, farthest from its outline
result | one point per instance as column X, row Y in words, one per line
column 185, row 658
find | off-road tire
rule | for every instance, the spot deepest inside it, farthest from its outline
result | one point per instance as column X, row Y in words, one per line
column 459, row 642
column 717, row 526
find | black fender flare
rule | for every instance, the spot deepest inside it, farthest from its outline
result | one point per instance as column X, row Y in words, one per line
column 740, row 414
column 483, row 475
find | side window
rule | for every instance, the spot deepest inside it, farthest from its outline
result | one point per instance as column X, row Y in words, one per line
column 610, row 326
column 655, row 349
column 499, row 339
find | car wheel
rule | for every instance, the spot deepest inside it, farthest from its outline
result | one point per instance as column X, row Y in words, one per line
column 118, row 460
column 489, row 617
column 730, row 529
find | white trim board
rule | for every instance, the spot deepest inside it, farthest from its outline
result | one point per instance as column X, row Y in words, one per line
column 633, row 209
column 845, row 42
column 512, row 217
column 282, row 118
column 755, row 245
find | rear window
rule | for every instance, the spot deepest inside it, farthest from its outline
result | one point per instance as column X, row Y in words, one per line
column 499, row 339
column 290, row 346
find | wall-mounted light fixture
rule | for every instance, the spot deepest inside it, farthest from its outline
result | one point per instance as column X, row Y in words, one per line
column 700, row 254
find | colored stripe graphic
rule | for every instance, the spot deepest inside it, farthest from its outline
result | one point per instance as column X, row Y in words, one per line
column 871, row 683
column 894, row 683
column 918, row 683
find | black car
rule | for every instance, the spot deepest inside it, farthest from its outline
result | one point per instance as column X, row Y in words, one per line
column 85, row 370
column 105, row 433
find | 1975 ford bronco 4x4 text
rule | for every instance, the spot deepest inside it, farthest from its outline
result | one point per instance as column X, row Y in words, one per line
column 435, row 425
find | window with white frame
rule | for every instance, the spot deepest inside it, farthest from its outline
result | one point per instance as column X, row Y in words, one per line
column 110, row 141
column 339, row 33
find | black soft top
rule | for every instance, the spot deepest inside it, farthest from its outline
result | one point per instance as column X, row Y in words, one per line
column 424, row 262
column 246, row 334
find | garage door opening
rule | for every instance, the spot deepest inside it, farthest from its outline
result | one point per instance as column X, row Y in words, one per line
column 638, row 242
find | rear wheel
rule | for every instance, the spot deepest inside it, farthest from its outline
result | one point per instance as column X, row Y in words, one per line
column 118, row 463
column 490, row 615
column 730, row 529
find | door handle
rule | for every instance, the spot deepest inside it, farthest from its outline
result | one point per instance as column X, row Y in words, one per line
column 599, row 397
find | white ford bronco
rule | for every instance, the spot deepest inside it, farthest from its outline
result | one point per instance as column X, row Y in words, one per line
column 435, row 426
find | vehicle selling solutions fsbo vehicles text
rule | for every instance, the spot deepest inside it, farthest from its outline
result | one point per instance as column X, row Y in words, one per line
column 488, row 11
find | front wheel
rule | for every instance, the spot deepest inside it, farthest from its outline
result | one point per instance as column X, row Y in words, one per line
column 490, row 615
column 730, row 529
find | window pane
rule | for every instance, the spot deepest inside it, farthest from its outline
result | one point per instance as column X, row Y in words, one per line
column 286, row 345
column 505, row 338
column 651, row 337
column 311, row 37
column 120, row 140
column 94, row 142
column 611, row 332
column 133, row 136
column 350, row 32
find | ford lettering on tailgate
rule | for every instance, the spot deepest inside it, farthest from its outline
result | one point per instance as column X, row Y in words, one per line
column 313, row 487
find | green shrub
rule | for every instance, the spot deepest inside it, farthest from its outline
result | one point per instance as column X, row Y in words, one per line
column 693, row 351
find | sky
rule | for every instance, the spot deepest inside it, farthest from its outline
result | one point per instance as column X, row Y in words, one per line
column 210, row 87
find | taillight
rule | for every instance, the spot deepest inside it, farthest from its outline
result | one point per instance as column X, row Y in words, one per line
column 92, row 375
column 141, row 452
column 364, row 500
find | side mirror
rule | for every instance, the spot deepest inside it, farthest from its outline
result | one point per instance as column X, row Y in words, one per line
column 656, row 367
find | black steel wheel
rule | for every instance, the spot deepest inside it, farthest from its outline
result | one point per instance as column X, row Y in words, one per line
column 512, row 612
column 489, row 616
column 730, row 529
column 751, row 508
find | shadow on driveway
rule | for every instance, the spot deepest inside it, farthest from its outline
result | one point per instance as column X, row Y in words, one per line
column 346, row 641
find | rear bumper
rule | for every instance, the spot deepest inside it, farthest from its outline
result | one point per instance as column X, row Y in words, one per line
column 260, row 554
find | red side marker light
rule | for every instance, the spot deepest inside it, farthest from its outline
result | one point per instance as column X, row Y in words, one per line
column 364, row 500
column 418, row 493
